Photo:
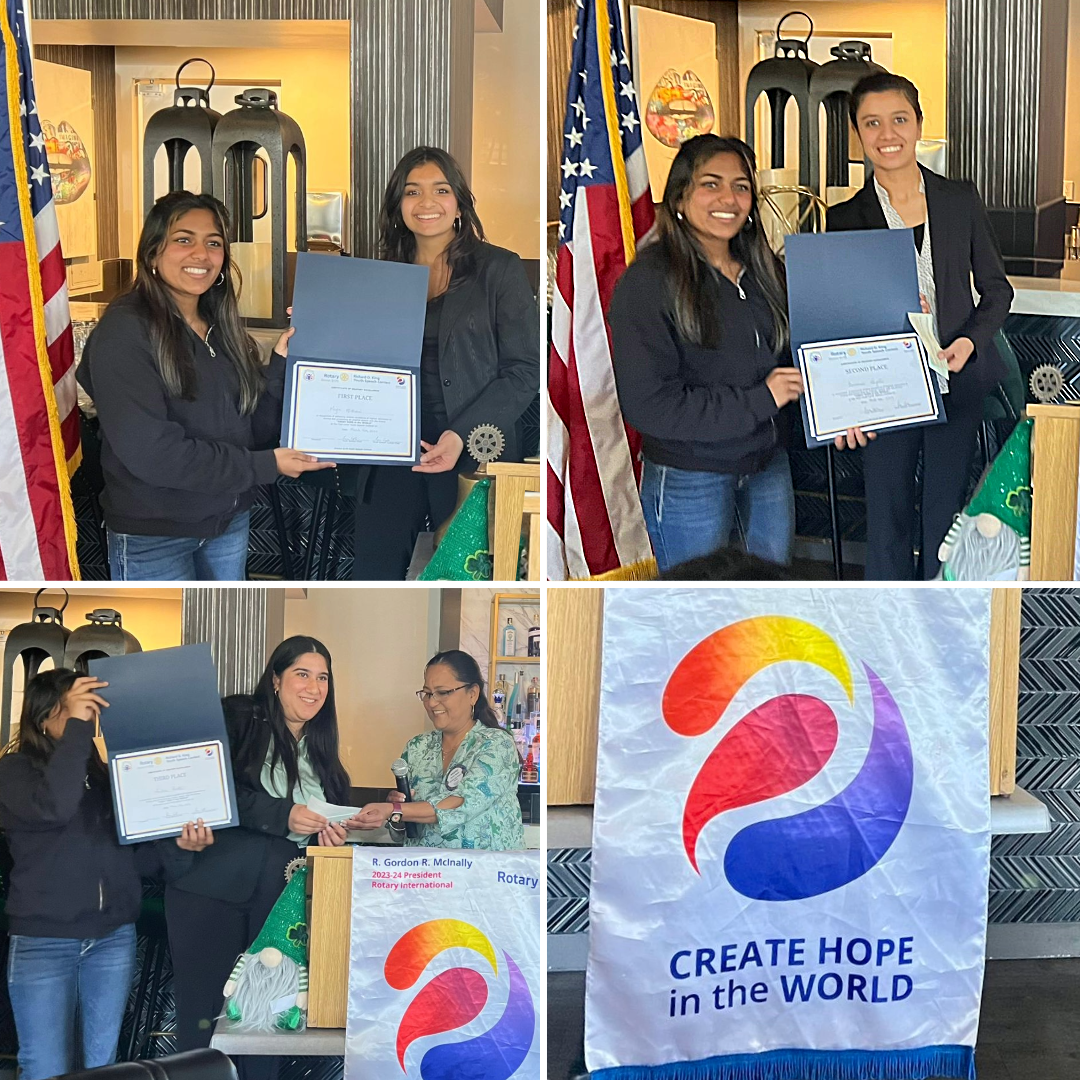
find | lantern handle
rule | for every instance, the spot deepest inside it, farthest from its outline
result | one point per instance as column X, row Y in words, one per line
column 67, row 597
column 810, row 32
column 213, row 73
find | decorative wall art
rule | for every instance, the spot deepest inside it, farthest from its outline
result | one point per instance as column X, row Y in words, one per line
column 67, row 124
column 677, row 82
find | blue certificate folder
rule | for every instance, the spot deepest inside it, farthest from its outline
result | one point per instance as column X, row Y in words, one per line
column 858, row 284
column 358, row 313
column 159, row 700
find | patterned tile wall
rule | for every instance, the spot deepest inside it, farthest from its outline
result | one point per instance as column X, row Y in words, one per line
column 1036, row 879
column 1033, row 879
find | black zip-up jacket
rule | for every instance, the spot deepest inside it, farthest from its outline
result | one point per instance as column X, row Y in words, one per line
column 695, row 407
column 174, row 467
column 71, row 878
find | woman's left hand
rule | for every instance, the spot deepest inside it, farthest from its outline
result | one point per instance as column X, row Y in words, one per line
column 374, row 815
column 195, row 836
column 282, row 345
column 333, row 835
column 958, row 353
column 441, row 456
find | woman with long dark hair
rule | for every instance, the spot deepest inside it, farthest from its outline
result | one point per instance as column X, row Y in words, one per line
column 75, row 892
column 954, row 245
column 702, row 364
column 284, row 745
column 480, row 362
column 188, row 414
column 463, row 776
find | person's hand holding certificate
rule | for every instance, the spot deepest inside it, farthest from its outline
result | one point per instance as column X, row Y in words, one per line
column 352, row 383
column 868, row 383
column 168, row 753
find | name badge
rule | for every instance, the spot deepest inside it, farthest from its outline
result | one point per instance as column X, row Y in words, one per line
column 454, row 776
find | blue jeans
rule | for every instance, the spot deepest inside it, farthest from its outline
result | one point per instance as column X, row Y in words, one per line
column 181, row 558
column 52, row 981
column 690, row 514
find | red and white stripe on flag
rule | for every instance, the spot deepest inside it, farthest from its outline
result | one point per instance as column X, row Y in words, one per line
column 39, row 419
column 595, row 524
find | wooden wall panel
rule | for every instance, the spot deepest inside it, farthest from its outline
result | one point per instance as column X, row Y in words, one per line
column 561, row 18
column 575, row 642
column 100, row 61
column 1004, row 688
column 573, row 639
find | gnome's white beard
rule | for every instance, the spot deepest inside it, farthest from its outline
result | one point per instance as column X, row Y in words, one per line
column 260, row 991
column 977, row 557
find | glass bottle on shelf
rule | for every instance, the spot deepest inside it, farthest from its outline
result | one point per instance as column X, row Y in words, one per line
column 532, row 698
column 509, row 639
column 534, row 641
column 498, row 700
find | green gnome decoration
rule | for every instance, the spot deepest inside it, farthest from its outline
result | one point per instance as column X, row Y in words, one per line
column 991, row 539
column 268, row 988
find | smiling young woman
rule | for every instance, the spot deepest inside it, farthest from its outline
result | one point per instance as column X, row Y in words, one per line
column 954, row 244
column 283, row 739
column 480, row 360
column 188, row 414
column 702, row 366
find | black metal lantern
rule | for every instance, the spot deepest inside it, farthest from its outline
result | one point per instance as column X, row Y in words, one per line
column 43, row 638
column 257, row 125
column 831, row 86
column 187, row 125
column 103, row 635
column 785, row 75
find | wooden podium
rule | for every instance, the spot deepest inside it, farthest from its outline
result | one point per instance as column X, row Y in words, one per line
column 329, row 887
column 1055, row 453
column 574, row 643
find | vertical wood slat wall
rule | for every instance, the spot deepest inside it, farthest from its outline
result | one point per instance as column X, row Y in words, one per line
column 560, row 25
column 574, row 644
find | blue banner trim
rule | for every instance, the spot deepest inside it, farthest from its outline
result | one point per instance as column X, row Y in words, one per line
column 954, row 1062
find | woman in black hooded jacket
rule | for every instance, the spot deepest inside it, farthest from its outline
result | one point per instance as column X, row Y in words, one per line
column 74, row 891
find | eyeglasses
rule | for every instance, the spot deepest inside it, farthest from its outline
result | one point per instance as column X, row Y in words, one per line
column 426, row 695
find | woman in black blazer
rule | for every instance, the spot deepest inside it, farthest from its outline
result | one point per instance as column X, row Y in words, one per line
column 283, row 740
column 954, row 242
column 480, row 362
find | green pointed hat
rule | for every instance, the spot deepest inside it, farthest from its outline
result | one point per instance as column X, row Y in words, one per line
column 286, row 925
column 1006, row 489
column 463, row 554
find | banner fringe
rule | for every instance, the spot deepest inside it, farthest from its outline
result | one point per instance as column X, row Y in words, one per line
column 954, row 1062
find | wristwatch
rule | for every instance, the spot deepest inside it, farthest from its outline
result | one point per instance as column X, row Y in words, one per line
column 394, row 820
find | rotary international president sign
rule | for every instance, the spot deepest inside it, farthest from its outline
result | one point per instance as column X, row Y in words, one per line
column 446, row 965
column 791, row 838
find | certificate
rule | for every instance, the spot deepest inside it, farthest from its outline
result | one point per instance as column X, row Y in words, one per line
column 352, row 413
column 873, row 383
column 156, row 791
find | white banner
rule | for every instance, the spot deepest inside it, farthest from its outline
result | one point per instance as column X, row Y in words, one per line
column 791, row 835
column 446, row 965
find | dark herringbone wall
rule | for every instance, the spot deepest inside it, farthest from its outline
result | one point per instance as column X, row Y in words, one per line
column 1036, row 879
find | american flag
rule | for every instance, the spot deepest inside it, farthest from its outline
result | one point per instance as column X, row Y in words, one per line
column 39, row 416
column 595, row 524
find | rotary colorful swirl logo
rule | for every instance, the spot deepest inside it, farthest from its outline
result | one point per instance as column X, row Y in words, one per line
column 779, row 746
column 456, row 997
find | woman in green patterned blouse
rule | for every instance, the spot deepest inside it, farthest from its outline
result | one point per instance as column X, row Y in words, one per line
column 464, row 774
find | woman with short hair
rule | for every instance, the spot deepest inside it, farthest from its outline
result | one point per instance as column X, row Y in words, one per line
column 954, row 245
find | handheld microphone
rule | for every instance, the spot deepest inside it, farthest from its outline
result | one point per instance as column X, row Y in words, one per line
column 400, row 769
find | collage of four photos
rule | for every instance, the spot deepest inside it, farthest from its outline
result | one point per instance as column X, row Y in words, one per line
column 539, row 539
